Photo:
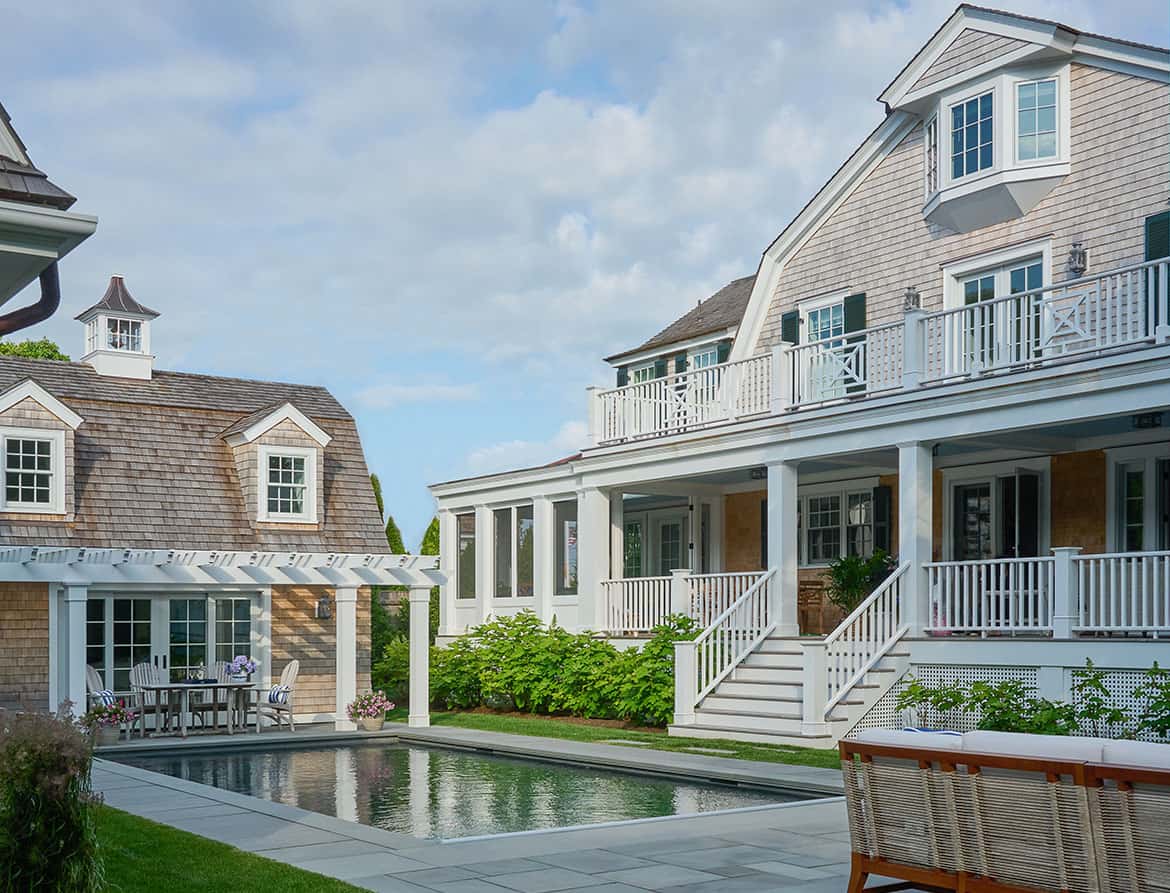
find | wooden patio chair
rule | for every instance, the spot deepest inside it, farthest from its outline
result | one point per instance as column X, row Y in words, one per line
column 148, row 701
column 203, row 703
column 277, row 702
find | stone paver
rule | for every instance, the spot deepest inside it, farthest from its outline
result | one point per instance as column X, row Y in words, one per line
column 788, row 848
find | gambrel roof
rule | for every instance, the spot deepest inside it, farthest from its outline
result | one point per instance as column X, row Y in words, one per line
column 20, row 180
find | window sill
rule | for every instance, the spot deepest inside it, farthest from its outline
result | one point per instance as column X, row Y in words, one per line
column 564, row 599
column 277, row 519
column 994, row 196
column 39, row 511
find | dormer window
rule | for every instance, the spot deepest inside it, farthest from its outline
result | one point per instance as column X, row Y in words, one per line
column 33, row 478
column 289, row 486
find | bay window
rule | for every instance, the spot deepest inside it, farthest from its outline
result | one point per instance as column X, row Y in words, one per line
column 1036, row 120
column 972, row 132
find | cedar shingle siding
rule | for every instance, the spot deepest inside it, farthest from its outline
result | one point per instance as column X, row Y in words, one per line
column 878, row 240
column 152, row 469
column 969, row 50
column 24, row 644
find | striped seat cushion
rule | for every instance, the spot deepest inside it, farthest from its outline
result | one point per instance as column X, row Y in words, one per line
column 278, row 694
column 106, row 697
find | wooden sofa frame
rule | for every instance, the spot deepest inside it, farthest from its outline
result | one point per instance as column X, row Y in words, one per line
column 1095, row 846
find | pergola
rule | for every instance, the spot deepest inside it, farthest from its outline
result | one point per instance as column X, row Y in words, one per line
column 72, row 572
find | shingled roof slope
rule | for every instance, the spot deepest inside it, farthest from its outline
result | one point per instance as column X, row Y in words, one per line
column 722, row 310
column 152, row 470
column 119, row 300
column 21, row 181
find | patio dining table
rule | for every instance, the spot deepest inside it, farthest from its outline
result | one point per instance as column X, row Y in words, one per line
column 236, row 691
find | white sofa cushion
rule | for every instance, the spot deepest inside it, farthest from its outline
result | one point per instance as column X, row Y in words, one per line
column 1051, row 747
column 899, row 738
column 1145, row 754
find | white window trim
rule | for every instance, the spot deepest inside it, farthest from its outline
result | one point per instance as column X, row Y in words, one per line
column 633, row 372
column 1002, row 86
column 988, row 473
column 1148, row 455
column 808, row 305
column 57, row 471
column 999, row 260
column 841, row 489
column 309, row 515
column 706, row 350
column 930, row 189
column 514, row 540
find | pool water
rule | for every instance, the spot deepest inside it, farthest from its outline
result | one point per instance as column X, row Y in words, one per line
column 442, row 793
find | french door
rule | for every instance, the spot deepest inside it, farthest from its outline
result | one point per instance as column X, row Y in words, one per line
column 1009, row 331
column 997, row 518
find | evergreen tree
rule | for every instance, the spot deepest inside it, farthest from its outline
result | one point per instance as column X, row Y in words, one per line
column 394, row 537
column 35, row 350
column 430, row 540
column 377, row 485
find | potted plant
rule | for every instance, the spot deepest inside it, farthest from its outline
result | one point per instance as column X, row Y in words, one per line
column 369, row 710
column 241, row 667
column 105, row 721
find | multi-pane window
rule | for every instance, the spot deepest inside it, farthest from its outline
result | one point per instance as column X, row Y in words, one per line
column 640, row 374
column 707, row 356
column 859, row 523
column 503, row 552
column 233, row 627
column 825, row 323
column 1036, row 120
column 824, row 528
column 188, row 637
column 124, row 334
column 632, row 550
column 95, row 635
column 1133, row 507
column 465, row 555
column 131, row 635
column 930, row 137
column 514, row 559
column 286, row 484
column 972, row 136
column 565, row 531
column 670, row 547
column 28, row 471
column 525, row 552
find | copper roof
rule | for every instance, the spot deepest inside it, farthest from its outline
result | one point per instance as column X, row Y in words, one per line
column 118, row 299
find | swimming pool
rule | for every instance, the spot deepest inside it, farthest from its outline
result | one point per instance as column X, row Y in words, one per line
column 442, row 793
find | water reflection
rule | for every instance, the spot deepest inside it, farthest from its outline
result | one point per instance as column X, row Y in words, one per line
column 446, row 793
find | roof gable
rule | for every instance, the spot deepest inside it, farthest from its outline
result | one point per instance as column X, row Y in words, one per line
column 971, row 49
column 256, row 424
column 20, row 181
column 30, row 390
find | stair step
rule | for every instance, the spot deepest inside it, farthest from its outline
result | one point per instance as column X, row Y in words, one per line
column 757, row 706
column 772, row 646
column 733, row 733
column 777, row 723
column 748, row 688
column 770, row 659
column 776, row 675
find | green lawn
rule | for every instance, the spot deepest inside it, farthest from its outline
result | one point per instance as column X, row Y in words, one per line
column 550, row 727
column 141, row 855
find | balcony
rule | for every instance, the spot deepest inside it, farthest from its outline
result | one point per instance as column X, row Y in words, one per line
column 1120, row 310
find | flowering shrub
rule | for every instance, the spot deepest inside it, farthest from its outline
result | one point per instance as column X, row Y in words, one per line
column 242, row 665
column 371, row 705
column 105, row 715
column 48, row 835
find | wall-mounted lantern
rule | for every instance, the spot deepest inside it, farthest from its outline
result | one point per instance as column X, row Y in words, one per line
column 324, row 608
column 1078, row 259
column 911, row 299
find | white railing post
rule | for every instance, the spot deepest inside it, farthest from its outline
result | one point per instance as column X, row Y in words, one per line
column 731, row 375
column 685, row 684
column 1066, row 603
column 815, row 679
column 1162, row 330
column 680, row 591
column 781, row 395
column 913, row 348
column 595, row 413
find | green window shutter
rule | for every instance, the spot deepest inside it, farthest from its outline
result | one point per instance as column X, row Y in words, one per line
column 722, row 351
column 660, row 367
column 883, row 521
column 855, row 313
column 680, row 362
column 1158, row 236
column 623, row 376
column 790, row 327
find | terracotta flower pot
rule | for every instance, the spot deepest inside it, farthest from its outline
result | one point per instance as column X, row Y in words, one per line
column 372, row 723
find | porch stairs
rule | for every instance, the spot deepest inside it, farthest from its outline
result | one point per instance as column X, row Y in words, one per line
column 739, row 680
column 762, row 700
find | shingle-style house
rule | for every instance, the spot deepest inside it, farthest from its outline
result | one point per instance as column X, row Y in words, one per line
column 957, row 352
column 181, row 519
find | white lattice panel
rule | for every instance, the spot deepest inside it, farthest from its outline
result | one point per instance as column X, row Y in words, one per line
column 1120, row 685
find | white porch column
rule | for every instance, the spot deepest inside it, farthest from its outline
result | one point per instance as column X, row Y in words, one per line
column 420, row 657
column 448, row 559
column 75, row 598
column 345, row 599
column 915, row 506
column 782, row 545
column 484, row 552
column 592, row 555
column 543, row 556
column 1066, row 599
column 617, row 541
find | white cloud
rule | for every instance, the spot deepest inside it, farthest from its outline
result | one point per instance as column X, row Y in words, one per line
column 384, row 396
column 513, row 454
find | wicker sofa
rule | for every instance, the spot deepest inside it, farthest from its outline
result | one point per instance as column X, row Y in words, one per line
column 993, row 812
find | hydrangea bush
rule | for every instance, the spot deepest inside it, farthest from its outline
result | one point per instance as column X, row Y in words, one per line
column 242, row 665
column 371, row 705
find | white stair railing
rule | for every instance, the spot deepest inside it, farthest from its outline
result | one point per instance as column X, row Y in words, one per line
column 704, row 662
column 861, row 640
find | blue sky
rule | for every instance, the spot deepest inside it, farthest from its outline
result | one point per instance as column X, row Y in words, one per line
column 446, row 212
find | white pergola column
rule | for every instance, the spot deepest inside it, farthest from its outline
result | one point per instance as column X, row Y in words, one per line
column 543, row 556
column 484, row 551
column 345, row 600
column 782, row 545
column 75, row 599
column 593, row 546
column 420, row 657
column 448, row 557
column 915, row 528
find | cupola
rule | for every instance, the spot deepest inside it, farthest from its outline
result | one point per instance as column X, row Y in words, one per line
column 117, row 334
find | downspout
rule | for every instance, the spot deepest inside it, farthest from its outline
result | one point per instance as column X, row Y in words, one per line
column 41, row 310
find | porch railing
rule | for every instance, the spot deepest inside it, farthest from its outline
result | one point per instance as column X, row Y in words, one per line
column 1003, row 595
column 712, row 594
column 1115, row 310
column 1123, row 592
column 636, row 604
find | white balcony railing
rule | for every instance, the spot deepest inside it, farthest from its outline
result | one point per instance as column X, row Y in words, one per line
column 1003, row 595
column 1117, row 310
column 1127, row 592
column 636, row 604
